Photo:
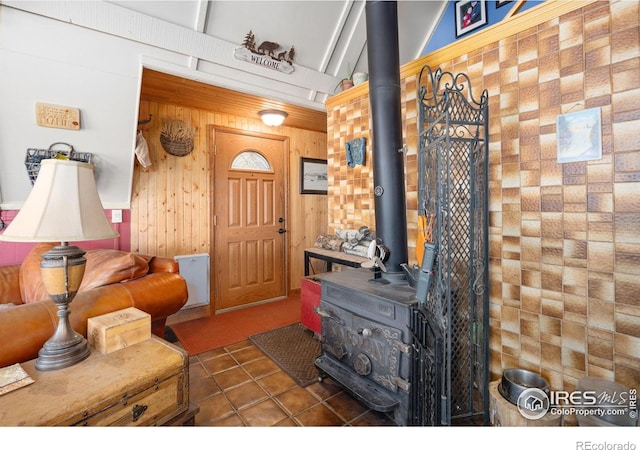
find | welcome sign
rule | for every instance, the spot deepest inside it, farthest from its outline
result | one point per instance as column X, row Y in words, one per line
column 267, row 54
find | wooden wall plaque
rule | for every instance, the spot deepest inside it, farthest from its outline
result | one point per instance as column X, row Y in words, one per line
column 57, row 116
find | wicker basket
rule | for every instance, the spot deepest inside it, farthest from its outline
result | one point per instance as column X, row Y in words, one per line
column 35, row 156
column 176, row 148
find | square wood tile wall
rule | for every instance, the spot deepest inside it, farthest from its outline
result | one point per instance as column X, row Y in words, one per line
column 564, row 238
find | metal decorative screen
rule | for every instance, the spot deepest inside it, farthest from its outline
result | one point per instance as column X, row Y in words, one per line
column 450, row 325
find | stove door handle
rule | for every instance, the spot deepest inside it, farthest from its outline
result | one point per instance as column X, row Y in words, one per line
column 327, row 314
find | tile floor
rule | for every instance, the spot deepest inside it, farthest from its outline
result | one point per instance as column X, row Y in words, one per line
column 238, row 385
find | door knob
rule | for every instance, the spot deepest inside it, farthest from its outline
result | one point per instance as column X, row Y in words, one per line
column 282, row 230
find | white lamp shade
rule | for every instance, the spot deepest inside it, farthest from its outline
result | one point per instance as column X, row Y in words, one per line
column 272, row 117
column 63, row 206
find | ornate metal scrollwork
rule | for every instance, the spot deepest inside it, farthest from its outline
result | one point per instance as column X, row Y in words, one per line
column 453, row 186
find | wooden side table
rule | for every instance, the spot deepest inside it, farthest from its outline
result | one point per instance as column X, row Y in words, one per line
column 141, row 385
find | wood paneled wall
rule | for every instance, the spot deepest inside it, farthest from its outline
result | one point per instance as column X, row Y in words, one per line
column 171, row 201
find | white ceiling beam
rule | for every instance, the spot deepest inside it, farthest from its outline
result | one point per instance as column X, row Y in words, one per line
column 201, row 15
column 358, row 42
column 352, row 32
column 314, row 95
column 337, row 31
column 430, row 30
column 200, row 21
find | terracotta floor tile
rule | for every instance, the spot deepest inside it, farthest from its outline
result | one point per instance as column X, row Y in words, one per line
column 196, row 370
column 248, row 354
column 296, row 400
column 288, row 422
column 238, row 346
column 276, row 383
column 213, row 408
column 238, row 385
column 211, row 354
column 346, row 406
column 231, row 421
column 219, row 364
column 319, row 415
column 373, row 419
column 232, row 377
column 202, row 387
column 263, row 414
column 325, row 389
column 261, row 367
column 245, row 395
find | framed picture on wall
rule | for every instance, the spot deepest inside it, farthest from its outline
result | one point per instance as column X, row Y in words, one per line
column 500, row 3
column 469, row 15
column 579, row 136
column 313, row 176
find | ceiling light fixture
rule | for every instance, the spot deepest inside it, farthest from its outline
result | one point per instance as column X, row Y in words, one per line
column 272, row 117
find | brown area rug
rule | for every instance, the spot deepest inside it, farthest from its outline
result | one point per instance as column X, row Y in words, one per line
column 208, row 333
column 294, row 348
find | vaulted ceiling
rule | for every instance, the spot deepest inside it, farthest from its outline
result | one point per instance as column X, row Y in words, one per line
column 199, row 41
column 328, row 37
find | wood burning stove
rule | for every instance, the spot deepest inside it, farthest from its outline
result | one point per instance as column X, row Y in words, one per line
column 366, row 343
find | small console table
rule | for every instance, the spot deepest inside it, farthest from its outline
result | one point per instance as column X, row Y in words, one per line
column 331, row 257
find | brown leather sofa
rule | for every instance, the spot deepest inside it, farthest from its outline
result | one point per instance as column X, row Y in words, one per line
column 113, row 280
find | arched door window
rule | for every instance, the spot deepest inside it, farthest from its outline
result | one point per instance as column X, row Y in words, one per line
column 251, row 160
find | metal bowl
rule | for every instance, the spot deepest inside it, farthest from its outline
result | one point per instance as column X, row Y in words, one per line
column 516, row 381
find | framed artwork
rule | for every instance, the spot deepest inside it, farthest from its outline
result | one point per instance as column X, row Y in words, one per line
column 356, row 151
column 500, row 3
column 313, row 176
column 469, row 15
column 579, row 136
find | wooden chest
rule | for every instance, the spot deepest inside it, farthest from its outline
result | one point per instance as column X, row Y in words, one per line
column 141, row 385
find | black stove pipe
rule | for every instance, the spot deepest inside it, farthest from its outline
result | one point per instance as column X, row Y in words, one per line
column 386, row 117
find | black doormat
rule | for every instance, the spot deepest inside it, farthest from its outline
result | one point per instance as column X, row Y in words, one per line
column 294, row 349
column 169, row 335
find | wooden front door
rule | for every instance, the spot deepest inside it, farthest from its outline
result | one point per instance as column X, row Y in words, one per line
column 249, row 219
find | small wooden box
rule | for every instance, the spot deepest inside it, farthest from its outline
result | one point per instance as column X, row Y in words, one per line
column 119, row 329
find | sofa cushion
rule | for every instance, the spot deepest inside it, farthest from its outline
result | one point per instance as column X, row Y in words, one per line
column 112, row 266
column 31, row 285
column 103, row 267
column 10, row 284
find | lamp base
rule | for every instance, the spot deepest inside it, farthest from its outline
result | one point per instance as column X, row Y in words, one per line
column 53, row 356
column 62, row 269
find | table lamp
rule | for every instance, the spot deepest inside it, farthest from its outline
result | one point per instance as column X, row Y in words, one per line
column 63, row 206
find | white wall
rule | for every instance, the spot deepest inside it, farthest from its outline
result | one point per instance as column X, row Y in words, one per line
column 89, row 55
column 44, row 60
